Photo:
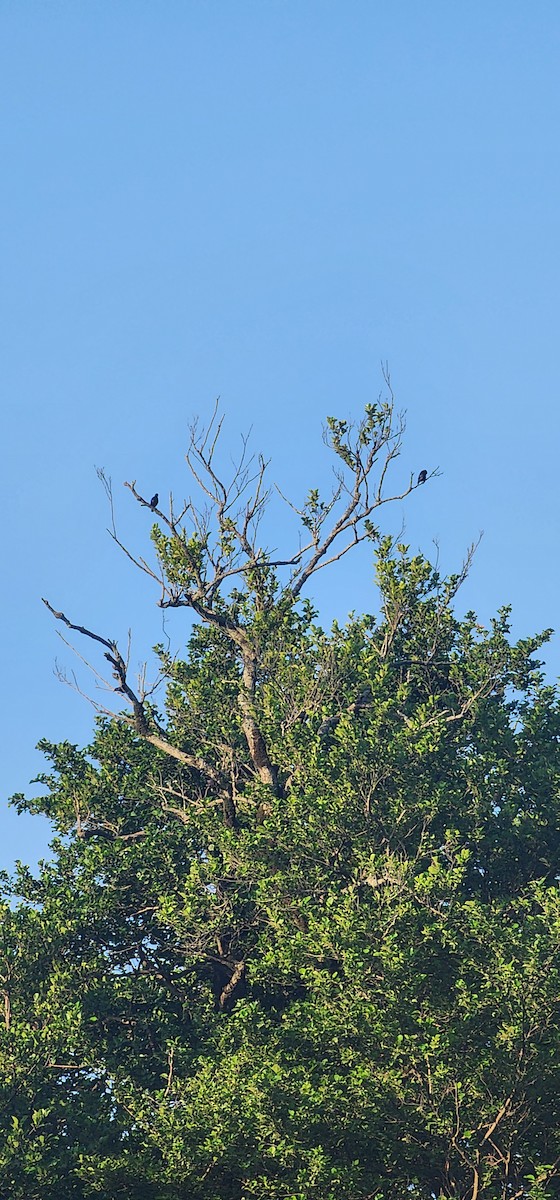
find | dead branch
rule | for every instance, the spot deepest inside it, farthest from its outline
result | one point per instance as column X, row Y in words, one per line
column 146, row 727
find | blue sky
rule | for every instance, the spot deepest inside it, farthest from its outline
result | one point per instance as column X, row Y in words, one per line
column 264, row 201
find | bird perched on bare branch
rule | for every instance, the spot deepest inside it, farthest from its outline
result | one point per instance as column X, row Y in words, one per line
column 155, row 500
column 422, row 477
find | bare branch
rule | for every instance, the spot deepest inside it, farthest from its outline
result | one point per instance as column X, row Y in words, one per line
column 146, row 727
column 236, row 977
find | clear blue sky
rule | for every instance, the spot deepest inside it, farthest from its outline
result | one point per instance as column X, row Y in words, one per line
column 264, row 201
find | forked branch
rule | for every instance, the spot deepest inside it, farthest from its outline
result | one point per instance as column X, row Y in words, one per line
column 144, row 724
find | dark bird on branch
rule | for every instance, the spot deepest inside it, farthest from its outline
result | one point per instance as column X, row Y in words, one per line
column 422, row 477
column 155, row 499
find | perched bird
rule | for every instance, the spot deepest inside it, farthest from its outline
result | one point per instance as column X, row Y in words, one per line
column 422, row 477
column 155, row 499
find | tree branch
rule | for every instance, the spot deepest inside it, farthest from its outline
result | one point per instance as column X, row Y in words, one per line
column 140, row 721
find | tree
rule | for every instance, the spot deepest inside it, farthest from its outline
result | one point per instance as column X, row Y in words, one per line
column 299, row 935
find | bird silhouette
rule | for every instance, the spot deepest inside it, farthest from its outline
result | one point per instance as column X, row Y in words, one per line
column 422, row 477
column 155, row 499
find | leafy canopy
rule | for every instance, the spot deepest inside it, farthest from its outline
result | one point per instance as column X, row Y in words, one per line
column 299, row 933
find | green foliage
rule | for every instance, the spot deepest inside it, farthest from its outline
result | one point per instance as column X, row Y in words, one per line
column 350, row 993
